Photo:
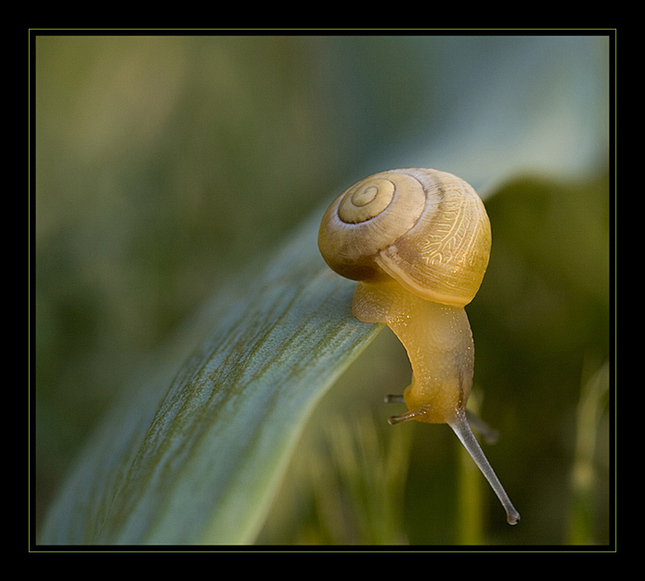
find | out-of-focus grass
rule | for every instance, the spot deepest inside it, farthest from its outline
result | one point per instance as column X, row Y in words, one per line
column 359, row 484
column 590, row 459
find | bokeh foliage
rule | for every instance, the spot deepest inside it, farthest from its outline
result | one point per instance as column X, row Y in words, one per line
column 165, row 165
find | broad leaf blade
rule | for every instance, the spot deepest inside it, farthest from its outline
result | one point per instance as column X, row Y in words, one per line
column 201, row 462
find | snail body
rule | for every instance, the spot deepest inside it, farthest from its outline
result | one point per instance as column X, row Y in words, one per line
column 418, row 242
column 442, row 370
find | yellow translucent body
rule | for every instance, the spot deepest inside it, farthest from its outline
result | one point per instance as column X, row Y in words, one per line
column 439, row 343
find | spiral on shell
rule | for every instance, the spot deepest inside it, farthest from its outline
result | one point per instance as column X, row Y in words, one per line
column 425, row 228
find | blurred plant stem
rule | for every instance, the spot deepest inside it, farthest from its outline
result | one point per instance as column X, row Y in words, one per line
column 359, row 488
column 583, row 478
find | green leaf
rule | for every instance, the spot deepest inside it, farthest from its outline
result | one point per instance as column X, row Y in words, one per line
column 195, row 448
column 198, row 462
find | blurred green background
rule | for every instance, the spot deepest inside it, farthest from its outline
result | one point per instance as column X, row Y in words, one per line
column 166, row 163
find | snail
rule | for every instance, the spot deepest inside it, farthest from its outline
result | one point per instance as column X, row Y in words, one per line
column 418, row 243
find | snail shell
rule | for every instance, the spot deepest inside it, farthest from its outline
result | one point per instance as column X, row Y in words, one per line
column 425, row 228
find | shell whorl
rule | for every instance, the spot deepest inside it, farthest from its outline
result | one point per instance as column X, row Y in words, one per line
column 425, row 228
